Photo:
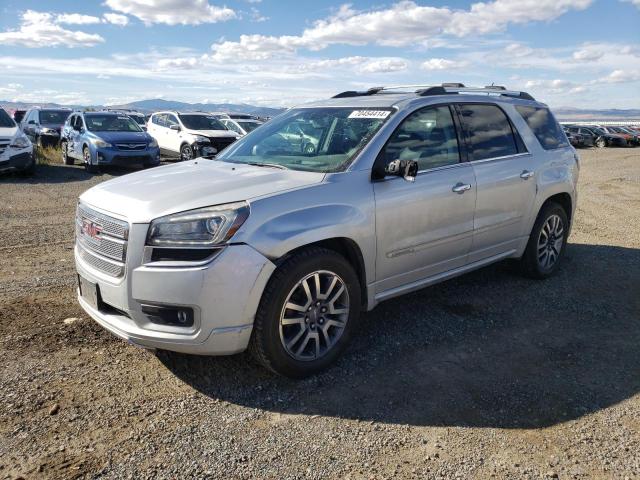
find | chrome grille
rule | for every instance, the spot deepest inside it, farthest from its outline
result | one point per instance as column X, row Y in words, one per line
column 102, row 240
column 131, row 146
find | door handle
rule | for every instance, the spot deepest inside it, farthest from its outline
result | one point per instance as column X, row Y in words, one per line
column 526, row 174
column 460, row 187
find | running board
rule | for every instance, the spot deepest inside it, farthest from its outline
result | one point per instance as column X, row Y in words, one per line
column 425, row 282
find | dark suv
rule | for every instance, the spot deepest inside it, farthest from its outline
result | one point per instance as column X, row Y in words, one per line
column 43, row 125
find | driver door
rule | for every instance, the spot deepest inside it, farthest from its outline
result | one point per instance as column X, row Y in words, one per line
column 424, row 228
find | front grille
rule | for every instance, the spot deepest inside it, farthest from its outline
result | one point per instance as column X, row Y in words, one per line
column 102, row 240
column 220, row 143
column 131, row 146
column 130, row 158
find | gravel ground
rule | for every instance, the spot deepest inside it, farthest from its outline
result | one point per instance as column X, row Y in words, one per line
column 486, row 376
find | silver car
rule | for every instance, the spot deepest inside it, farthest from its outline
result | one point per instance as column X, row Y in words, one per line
column 280, row 250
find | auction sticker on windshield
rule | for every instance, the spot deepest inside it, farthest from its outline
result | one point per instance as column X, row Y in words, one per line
column 369, row 114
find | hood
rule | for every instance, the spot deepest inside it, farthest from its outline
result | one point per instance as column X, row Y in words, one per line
column 8, row 132
column 117, row 137
column 214, row 133
column 149, row 194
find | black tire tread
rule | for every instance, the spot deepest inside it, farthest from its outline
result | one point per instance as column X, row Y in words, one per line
column 528, row 261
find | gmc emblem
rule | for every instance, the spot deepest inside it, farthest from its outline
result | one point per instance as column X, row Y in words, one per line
column 91, row 229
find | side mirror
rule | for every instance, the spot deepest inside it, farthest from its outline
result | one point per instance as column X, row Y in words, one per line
column 175, row 127
column 407, row 169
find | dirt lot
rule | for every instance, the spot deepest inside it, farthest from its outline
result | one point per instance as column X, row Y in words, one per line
column 488, row 375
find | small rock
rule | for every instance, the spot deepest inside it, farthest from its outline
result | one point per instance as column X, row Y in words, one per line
column 552, row 474
column 54, row 409
column 70, row 320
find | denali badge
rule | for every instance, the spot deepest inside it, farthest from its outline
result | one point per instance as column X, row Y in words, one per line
column 91, row 229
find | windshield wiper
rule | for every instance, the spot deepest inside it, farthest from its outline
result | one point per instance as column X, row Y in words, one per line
column 270, row 165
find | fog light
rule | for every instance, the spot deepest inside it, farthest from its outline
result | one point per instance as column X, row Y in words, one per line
column 174, row 316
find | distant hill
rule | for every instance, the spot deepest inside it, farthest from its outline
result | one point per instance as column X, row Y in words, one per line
column 148, row 106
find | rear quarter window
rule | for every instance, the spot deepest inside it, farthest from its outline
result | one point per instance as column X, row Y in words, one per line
column 544, row 127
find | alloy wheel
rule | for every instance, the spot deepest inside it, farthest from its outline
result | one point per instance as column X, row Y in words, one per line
column 186, row 153
column 314, row 315
column 550, row 242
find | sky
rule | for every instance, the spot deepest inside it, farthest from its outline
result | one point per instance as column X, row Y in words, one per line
column 567, row 53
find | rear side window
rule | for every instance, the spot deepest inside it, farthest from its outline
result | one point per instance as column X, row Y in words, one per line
column 544, row 126
column 488, row 130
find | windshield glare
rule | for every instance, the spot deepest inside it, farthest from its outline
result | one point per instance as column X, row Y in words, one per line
column 53, row 116
column 201, row 122
column 310, row 139
column 111, row 123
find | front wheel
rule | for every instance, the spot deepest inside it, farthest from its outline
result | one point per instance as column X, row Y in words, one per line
column 601, row 143
column 66, row 159
column 88, row 166
column 186, row 153
column 546, row 242
column 307, row 314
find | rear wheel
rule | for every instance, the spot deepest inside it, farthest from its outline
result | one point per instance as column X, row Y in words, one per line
column 88, row 166
column 307, row 314
column 601, row 143
column 66, row 159
column 546, row 242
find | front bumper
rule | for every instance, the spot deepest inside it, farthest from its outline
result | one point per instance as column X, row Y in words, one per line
column 20, row 161
column 113, row 156
column 224, row 295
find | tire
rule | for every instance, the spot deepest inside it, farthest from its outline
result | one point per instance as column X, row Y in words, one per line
column 30, row 170
column 271, row 331
column 601, row 143
column 186, row 153
column 66, row 159
column 534, row 263
column 88, row 166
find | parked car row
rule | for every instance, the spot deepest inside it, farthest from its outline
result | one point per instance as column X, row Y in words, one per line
column 602, row 136
column 129, row 138
column 16, row 150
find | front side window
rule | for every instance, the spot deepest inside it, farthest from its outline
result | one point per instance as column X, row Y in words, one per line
column 488, row 131
column 170, row 120
column 427, row 136
column 249, row 126
column 326, row 139
column 201, row 122
column 232, row 126
column 544, row 126
column 111, row 123
column 53, row 116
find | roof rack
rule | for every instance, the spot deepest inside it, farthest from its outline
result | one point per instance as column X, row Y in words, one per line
column 444, row 89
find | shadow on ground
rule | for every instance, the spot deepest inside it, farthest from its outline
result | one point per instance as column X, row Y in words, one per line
column 490, row 349
column 54, row 173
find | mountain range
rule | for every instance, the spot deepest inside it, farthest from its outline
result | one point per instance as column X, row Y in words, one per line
column 154, row 105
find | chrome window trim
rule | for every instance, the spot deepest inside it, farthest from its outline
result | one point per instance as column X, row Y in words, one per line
column 504, row 157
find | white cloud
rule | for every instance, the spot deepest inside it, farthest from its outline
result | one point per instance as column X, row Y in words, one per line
column 385, row 65
column 588, row 53
column 442, row 64
column 173, row 12
column 621, row 76
column 38, row 29
column 116, row 19
column 404, row 23
column 76, row 19
column 256, row 16
column 633, row 2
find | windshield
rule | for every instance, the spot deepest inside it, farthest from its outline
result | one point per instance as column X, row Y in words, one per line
column 599, row 131
column 111, row 123
column 310, row 139
column 53, row 116
column 249, row 126
column 5, row 120
column 201, row 122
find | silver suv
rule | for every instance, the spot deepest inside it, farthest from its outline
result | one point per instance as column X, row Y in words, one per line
column 279, row 248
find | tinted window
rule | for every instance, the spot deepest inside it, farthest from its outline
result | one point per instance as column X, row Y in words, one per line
column 201, row 122
column 427, row 136
column 53, row 116
column 170, row 120
column 5, row 120
column 111, row 123
column 489, row 132
column 157, row 119
column 544, row 126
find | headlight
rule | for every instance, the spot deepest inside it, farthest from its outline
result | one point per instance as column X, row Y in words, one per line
column 98, row 142
column 20, row 141
column 200, row 228
column 200, row 138
column 153, row 143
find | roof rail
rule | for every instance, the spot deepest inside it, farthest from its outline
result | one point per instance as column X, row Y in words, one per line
column 444, row 89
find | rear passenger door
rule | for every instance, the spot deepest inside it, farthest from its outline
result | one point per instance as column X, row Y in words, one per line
column 505, row 177
column 425, row 227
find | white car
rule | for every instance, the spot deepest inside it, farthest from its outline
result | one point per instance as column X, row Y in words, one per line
column 189, row 134
column 16, row 150
column 241, row 126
